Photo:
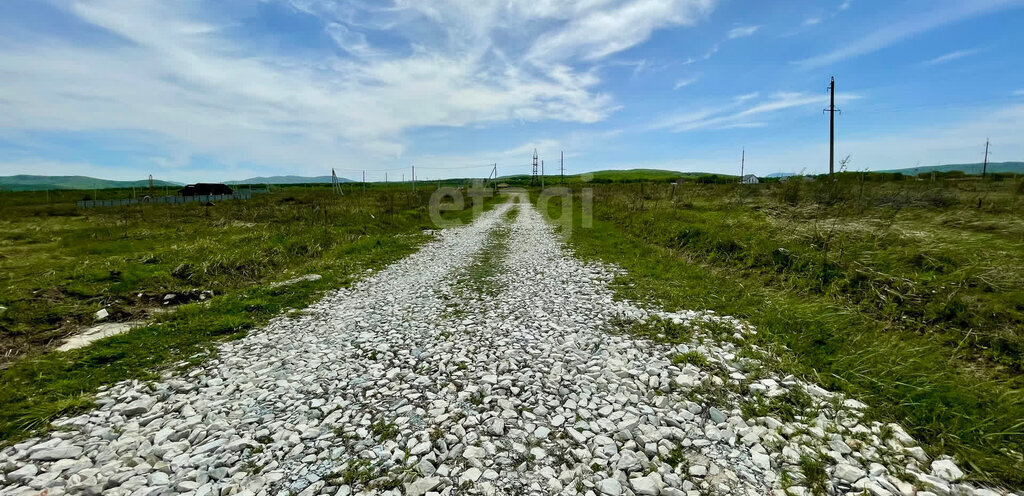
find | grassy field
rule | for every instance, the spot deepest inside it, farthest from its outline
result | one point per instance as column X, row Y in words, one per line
column 59, row 265
column 907, row 294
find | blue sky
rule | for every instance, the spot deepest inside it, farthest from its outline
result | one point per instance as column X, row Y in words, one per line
column 214, row 90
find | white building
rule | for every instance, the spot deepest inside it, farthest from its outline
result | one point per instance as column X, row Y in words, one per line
column 749, row 179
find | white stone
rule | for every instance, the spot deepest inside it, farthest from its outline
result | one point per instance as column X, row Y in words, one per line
column 849, row 473
column 609, row 487
column 947, row 470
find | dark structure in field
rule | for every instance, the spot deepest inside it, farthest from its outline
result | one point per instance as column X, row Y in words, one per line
column 204, row 189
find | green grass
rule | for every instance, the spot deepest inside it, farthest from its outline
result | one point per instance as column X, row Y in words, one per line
column 59, row 269
column 479, row 276
column 904, row 294
column 815, row 475
column 694, row 358
column 384, row 430
column 786, row 407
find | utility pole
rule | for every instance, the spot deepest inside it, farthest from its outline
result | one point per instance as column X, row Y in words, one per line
column 561, row 166
column 984, row 166
column 743, row 163
column 832, row 127
column 335, row 184
column 364, row 181
column 414, row 178
column 542, row 174
column 533, row 178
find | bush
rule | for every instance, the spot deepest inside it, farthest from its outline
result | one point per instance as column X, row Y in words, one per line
column 790, row 190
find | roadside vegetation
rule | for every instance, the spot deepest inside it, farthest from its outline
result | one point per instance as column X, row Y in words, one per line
column 904, row 292
column 59, row 265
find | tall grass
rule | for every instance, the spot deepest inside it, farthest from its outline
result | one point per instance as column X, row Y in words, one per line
column 57, row 270
column 906, row 294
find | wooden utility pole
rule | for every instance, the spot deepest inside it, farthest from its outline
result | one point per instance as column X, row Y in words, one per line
column 984, row 166
column 561, row 165
column 743, row 162
column 542, row 174
column 832, row 127
column 335, row 183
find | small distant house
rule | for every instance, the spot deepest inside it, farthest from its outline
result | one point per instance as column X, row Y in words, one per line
column 204, row 189
column 749, row 179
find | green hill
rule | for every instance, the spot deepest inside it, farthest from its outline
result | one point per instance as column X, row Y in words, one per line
column 24, row 182
column 1014, row 167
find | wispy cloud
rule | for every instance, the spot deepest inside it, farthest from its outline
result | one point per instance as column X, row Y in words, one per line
column 1019, row 92
column 938, row 15
column 707, row 55
column 742, row 31
column 598, row 32
column 736, row 113
column 811, row 21
column 176, row 77
column 684, row 82
column 845, row 5
column 958, row 54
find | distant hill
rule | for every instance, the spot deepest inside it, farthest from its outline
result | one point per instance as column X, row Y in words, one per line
column 1015, row 167
column 780, row 174
column 635, row 175
column 621, row 175
column 25, row 182
column 657, row 175
column 289, row 180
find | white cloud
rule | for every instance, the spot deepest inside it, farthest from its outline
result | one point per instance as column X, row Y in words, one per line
column 602, row 32
column 742, row 31
column 684, row 82
column 352, row 42
column 958, row 54
column 845, row 5
column 1019, row 92
column 937, row 15
column 811, row 21
column 732, row 114
column 707, row 55
column 962, row 141
column 189, row 86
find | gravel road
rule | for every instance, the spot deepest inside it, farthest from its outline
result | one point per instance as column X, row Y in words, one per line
column 489, row 362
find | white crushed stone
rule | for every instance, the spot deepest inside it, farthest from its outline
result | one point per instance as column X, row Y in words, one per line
column 435, row 388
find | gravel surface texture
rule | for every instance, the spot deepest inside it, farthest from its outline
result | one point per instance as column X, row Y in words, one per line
column 489, row 362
